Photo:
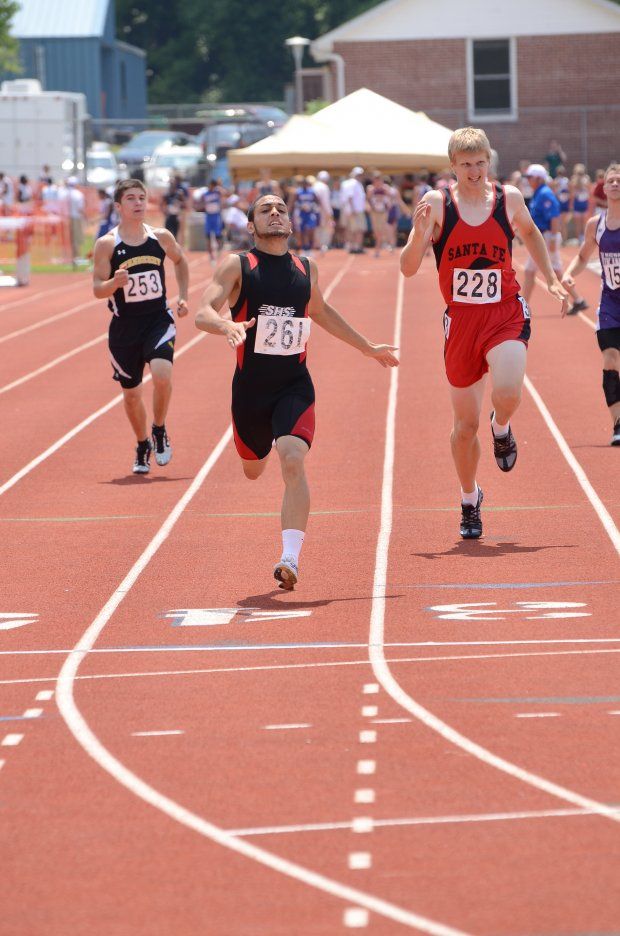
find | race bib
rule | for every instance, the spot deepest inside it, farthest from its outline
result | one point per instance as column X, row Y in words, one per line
column 143, row 286
column 477, row 286
column 612, row 274
column 277, row 334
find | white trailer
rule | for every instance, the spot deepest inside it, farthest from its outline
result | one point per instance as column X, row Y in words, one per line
column 40, row 128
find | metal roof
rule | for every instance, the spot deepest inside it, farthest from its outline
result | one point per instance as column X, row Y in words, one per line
column 43, row 19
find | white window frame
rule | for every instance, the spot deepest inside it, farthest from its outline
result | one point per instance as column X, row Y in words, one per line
column 487, row 116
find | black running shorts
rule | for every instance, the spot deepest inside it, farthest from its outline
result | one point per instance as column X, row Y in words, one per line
column 135, row 341
column 608, row 338
column 260, row 416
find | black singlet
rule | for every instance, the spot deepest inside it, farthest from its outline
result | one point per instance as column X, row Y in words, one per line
column 276, row 288
column 146, row 292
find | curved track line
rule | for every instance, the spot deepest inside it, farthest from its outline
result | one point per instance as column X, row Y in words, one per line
column 377, row 628
column 91, row 744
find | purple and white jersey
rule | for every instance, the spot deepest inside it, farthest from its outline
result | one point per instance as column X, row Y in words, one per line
column 608, row 312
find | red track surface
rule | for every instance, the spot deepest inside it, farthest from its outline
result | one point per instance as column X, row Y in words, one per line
column 474, row 818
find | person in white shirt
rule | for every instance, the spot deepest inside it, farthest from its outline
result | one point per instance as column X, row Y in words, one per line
column 353, row 210
column 73, row 208
column 322, row 190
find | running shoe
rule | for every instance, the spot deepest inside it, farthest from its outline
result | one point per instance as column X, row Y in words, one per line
column 471, row 521
column 577, row 307
column 504, row 448
column 286, row 572
column 615, row 439
column 161, row 446
column 143, row 457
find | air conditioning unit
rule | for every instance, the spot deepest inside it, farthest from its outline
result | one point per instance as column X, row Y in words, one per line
column 21, row 86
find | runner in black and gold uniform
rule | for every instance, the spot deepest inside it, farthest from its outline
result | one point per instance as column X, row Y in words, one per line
column 274, row 297
column 129, row 273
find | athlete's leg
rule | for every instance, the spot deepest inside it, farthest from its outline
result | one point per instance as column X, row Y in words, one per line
column 161, row 371
column 466, row 405
column 296, row 500
column 611, row 362
column 507, row 368
column 253, row 468
column 529, row 278
column 136, row 411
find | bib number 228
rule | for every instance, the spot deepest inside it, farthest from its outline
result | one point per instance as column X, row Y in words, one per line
column 477, row 286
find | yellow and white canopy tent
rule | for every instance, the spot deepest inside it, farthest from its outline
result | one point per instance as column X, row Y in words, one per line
column 362, row 129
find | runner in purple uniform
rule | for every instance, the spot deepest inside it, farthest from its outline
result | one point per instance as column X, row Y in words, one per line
column 603, row 232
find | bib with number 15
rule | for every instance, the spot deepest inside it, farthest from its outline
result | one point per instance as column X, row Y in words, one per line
column 477, row 286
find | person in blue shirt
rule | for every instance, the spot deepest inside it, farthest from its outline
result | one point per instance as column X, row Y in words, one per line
column 545, row 212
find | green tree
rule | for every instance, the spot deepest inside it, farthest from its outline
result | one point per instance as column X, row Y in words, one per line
column 9, row 46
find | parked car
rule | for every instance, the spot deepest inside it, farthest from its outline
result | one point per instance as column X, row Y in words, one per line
column 169, row 160
column 102, row 169
column 138, row 152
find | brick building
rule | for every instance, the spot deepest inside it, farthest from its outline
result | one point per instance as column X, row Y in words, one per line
column 526, row 72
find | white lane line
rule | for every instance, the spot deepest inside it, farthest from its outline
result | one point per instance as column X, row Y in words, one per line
column 359, row 861
column 362, row 824
column 52, row 363
column 391, row 721
column 364, row 796
column 45, row 695
column 33, row 713
column 11, row 740
column 377, row 628
column 366, row 767
column 156, row 734
column 369, row 711
column 80, row 426
column 419, row 821
column 371, row 688
column 538, row 715
column 60, row 315
column 599, row 508
column 367, row 737
column 355, row 918
column 613, row 713
column 101, row 755
column 286, row 727
column 2, row 763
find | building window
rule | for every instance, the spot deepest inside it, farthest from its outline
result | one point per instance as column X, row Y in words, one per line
column 492, row 79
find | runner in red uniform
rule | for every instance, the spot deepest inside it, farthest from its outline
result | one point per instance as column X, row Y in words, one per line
column 486, row 323
column 274, row 297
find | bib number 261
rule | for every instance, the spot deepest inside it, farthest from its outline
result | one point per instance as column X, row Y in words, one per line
column 281, row 335
column 477, row 286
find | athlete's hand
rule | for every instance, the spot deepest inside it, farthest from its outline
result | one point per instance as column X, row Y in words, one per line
column 182, row 308
column 382, row 353
column 235, row 332
column 567, row 281
column 422, row 220
column 558, row 292
column 120, row 279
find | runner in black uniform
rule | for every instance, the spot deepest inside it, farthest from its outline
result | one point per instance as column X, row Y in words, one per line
column 129, row 273
column 273, row 297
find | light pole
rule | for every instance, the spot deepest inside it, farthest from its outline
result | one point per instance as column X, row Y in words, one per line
column 296, row 44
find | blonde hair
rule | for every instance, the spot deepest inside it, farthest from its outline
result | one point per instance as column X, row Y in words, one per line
column 468, row 140
column 612, row 167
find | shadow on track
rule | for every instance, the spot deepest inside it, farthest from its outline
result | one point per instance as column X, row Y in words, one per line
column 142, row 479
column 269, row 601
column 478, row 550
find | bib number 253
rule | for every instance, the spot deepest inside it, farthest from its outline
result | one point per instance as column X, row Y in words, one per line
column 477, row 286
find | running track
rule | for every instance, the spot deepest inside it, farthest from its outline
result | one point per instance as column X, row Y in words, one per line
column 422, row 737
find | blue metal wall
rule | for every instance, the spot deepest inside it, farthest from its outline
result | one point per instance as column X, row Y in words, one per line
column 111, row 75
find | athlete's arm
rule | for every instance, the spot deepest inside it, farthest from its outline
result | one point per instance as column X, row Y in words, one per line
column 103, row 284
column 175, row 253
column 427, row 218
column 579, row 263
column 223, row 288
column 534, row 242
column 327, row 317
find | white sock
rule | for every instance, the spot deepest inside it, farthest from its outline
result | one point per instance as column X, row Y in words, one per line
column 470, row 498
column 499, row 430
column 292, row 541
